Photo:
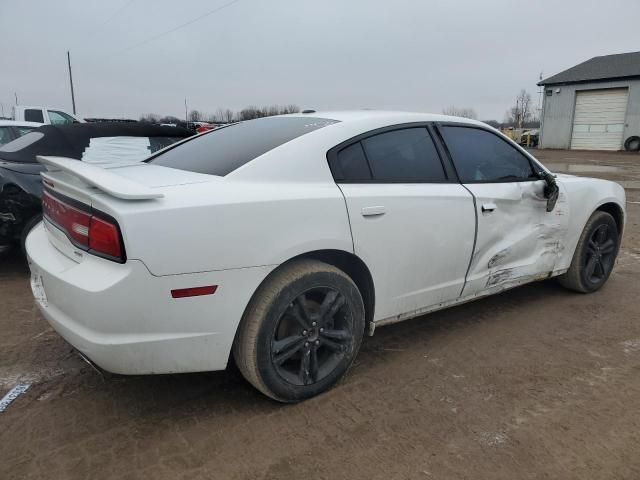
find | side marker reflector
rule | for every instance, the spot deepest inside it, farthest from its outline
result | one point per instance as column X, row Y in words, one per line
column 194, row 291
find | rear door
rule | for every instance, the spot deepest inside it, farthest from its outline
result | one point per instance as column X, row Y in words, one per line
column 517, row 239
column 412, row 223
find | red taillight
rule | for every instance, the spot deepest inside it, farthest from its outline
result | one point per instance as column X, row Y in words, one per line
column 86, row 228
column 73, row 221
column 104, row 237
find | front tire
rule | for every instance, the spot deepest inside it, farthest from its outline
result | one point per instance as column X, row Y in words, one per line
column 595, row 255
column 301, row 331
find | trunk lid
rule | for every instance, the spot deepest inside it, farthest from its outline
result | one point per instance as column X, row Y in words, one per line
column 127, row 185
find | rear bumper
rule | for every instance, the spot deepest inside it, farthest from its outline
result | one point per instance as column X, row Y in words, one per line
column 125, row 320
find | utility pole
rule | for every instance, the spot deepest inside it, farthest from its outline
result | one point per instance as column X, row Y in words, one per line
column 73, row 98
column 16, row 95
column 186, row 116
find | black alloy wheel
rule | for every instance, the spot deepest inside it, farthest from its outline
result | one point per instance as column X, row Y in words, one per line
column 312, row 336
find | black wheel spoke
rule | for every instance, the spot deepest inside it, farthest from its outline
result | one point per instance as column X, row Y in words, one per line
column 331, row 345
column 599, row 269
column 608, row 247
column 592, row 247
column 328, row 302
column 339, row 335
column 591, row 265
column 330, row 306
column 313, row 365
column 286, row 348
column 300, row 313
column 305, row 367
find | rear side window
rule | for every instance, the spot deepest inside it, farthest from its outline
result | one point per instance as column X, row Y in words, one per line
column 404, row 156
column 33, row 115
column 351, row 164
column 223, row 150
column 482, row 157
column 399, row 156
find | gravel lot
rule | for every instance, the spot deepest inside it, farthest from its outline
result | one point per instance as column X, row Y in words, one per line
column 536, row 382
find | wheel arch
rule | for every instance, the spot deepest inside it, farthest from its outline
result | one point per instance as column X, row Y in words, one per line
column 355, row 267
column 350, row 264
column 616, row 211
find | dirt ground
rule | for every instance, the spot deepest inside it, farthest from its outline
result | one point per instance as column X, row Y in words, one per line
column 533, row 383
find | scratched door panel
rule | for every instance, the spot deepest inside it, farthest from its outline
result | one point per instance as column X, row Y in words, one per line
column 519, row 240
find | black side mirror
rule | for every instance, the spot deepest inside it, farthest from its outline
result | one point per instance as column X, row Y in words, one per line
column 551, row 190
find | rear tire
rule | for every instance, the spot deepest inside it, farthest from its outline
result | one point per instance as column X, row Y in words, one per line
column 301, row 331
column 595, row 255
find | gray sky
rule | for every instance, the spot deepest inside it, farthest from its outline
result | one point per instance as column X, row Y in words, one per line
column 325, row 54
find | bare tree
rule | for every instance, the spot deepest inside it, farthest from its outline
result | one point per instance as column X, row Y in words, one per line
column 521, row 112
column 460, row 112
column 291, row 108
column 195, row 116
column 150, row 118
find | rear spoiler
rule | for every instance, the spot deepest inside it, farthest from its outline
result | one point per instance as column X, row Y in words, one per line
column 100, row 178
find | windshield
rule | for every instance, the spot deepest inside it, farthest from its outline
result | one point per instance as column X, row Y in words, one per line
column 221, row 151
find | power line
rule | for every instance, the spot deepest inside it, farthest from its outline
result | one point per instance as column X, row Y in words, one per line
column 162, row 34
column 115, row 14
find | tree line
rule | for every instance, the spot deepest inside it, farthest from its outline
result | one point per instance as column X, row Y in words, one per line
column 224, row 115
column 520, row 115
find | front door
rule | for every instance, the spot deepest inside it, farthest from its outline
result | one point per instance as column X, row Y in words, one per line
column 517, row 239
column 411, row 225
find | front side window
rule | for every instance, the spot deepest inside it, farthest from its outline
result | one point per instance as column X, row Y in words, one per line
column 33, row 115
column 481, row 156
column 223, row 150
column 60, row 118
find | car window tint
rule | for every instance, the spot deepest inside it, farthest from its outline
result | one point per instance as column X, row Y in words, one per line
column 5, row 135
column 24, row 130
column 158, row 143
column 33, row 115
column 481, row 156
column 22, row 142
column 407, row 155
column 351, row 165
column 60, row 118
column 223, row 150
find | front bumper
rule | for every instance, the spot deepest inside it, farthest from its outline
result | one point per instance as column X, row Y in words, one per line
column 124, row 319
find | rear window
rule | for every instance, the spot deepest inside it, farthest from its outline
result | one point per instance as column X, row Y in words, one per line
column 22, row 142
column 221, row 151
column 32, row 115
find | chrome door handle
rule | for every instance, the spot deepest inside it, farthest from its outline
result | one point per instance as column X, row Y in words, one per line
column 488, row 207
column 373, row 211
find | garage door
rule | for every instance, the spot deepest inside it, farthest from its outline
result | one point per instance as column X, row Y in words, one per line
column 598, row 123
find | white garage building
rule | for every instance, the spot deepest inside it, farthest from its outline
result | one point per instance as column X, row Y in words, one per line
column 594, row 105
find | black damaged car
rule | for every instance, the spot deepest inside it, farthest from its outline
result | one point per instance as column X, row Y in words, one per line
column 20, row 181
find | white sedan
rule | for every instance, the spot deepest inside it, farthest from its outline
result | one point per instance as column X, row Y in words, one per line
column 281, row 241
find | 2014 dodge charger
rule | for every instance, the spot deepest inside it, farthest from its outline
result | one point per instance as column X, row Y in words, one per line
column 282, row 240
